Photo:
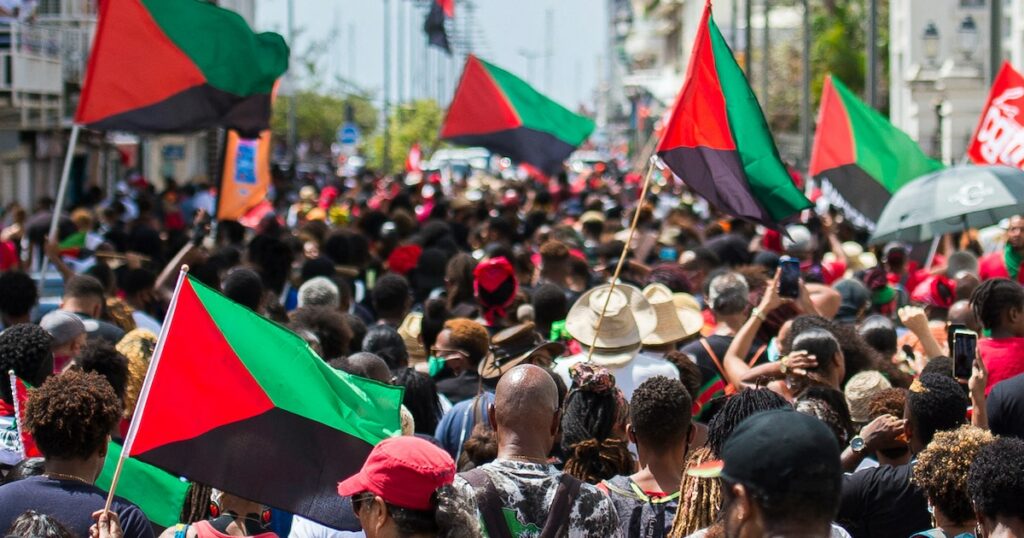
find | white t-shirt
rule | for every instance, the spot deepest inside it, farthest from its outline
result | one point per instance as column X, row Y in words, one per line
column 629, row 376
column 145, row 321
column 304, row 528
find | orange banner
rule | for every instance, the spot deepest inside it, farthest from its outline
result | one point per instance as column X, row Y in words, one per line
column 246, row 175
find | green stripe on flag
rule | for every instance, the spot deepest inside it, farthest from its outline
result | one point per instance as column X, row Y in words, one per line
column 886, row 153
column 539, row 112
column 769, row 180
column 209, row 35
column 160, row 495
column 279, row 361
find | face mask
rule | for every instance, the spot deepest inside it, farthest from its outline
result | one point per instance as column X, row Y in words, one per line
column 436, row 364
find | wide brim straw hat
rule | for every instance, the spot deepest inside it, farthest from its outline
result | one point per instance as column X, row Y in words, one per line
column 410, row 330
column 674, row 323
column 628, row 320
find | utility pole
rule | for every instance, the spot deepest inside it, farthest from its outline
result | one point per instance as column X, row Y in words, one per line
column 805, row 89
column 351, row 51
column 401, row 56
column 293, row 84
column 872, row 67
column 748, row 40
column 549, row 47
column 386, row 158
column 995, row 47
column 530, row 56
column 766, row 56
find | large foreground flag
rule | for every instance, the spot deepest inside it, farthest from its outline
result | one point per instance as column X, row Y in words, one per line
column 495, row 109
column 717, row 140
column 177, row 66
column 859, row 158
column 246, row 177
column 999, row 138
column 440, row 12
column 242, row 404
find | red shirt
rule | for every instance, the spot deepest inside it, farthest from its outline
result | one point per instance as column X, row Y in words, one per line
column 1003, row 357
column 993, row 265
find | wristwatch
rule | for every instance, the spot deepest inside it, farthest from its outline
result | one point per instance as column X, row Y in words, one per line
column 857, row 444
column 758, row 313
column 783, row 368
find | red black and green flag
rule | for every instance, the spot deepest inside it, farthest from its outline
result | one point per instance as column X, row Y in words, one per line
column 494, row 109
column 717, row 140
column 165, row 66
column 242, row 404
column 859, row 158
column 441, row 11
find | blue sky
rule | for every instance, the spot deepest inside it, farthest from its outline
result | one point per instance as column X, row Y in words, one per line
column 505, row 30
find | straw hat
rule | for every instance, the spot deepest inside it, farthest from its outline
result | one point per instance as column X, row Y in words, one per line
column 409, row 330
column 859, row 390
column 512, row 347
column 627, row 321
column 675, row 323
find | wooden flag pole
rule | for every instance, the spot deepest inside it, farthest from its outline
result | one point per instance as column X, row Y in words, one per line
column 62, row 188
column 622, row 257
column 140, row 404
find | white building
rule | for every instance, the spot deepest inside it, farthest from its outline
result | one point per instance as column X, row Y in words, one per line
column 939, row 68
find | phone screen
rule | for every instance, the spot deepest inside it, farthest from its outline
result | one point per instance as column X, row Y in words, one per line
column 951, row 329
column 789, row 277
column 965, row 350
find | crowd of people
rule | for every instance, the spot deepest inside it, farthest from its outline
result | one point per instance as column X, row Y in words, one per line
column 696, row 395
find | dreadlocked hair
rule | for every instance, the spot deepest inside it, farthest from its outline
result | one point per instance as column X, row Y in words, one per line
column 197, row 503
column 588, row 421
column 700, row 499
column 738, row 408
column 995, row 297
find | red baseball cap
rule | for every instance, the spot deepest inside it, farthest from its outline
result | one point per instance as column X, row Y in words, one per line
column 404, row 471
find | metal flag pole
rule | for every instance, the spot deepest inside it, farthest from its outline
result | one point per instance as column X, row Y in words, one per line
column 62, row 188
column 147, row 384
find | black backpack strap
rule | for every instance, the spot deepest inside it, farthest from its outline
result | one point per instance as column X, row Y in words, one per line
column 557, row 523
column 488, row 502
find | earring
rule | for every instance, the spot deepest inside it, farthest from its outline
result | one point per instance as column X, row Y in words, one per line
column 214, row 509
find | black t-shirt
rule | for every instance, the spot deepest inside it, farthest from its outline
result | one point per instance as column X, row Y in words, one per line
column 72, row 503
column 712, row 382
column 1006, row 407
column 882, row 502
column 461, row 387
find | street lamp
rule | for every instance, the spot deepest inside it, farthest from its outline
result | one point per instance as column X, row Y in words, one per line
column 967, row 37
column 930, row 42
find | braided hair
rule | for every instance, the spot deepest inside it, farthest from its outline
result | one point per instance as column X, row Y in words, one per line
column 591, row 413
column 995, row 297
column 700, row 499
column 738, row 408
column 197, row 503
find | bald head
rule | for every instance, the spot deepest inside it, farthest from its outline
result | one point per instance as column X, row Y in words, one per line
column 366, row 365
column 961, row 313
column 526, row 398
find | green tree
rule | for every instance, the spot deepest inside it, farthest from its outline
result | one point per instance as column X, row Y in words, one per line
column 318, row 115
column 414, row 122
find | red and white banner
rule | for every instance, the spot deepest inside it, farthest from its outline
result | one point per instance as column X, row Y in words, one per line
column 999, row 138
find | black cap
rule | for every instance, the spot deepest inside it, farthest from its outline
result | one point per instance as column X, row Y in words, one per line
column 782, row 452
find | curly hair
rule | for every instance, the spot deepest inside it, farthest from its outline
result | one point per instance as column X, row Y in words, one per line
column 940, row 470
column 18, row 293
column 101, row 357
column 37, row 525
column 659, row 413
column 672, row 275
column 25, row 349
column 936, row 403
column 689, row 372
column 481, row 448
column 71, row 415
column 328, row 325
column 700, row 498
column 469, row 336
column 137, row 346
column 889, row 401
column 995, row 481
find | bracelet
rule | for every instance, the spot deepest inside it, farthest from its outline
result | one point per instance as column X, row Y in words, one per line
column 757, row 313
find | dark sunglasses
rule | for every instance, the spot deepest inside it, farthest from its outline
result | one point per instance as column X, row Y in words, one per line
column 361, row 498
